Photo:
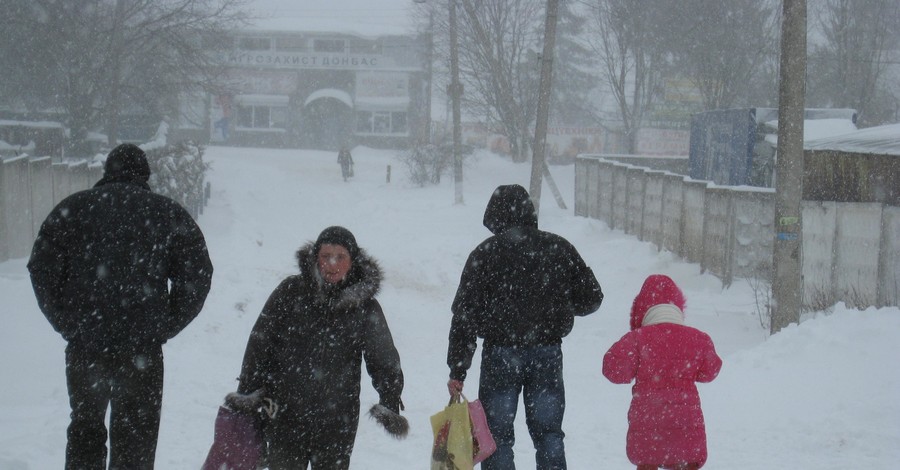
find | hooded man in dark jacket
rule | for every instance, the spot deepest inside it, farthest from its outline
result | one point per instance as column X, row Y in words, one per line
column 305, row 353
column 520, row 290
column 118, row 271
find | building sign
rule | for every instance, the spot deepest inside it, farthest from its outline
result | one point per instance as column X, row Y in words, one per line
column 305, row 60
column 663, row 142
column 682, row 91
column 270, row 82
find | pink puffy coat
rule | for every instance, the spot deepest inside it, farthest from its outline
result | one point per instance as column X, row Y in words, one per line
column 665, row 359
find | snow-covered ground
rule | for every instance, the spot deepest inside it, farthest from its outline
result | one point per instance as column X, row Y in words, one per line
column 821, row 395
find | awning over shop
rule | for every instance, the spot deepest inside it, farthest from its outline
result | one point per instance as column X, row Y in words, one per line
column 339, row 95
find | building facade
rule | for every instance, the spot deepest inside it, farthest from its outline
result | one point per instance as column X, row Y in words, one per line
column 317, row 90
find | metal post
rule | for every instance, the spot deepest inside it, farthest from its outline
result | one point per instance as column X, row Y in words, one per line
column 787, row 285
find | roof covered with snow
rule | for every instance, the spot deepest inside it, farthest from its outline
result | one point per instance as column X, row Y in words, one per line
column 883, row 140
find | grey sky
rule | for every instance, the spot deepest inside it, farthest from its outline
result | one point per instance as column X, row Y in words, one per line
column 366, row 17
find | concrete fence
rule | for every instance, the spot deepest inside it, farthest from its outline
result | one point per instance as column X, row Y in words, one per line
column 851, row 251
column 29, row 189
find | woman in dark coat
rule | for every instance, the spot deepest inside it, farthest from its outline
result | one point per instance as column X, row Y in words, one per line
column 306, row 350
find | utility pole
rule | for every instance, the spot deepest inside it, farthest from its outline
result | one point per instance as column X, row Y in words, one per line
column 538, row 165
column 455, row 91
column 787, row 285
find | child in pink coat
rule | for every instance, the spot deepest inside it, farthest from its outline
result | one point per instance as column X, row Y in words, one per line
column 664, row 358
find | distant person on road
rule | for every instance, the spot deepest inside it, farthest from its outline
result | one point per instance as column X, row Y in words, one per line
column 118, row 271
column 520, row 290
column 664, row 357
column 346, row 162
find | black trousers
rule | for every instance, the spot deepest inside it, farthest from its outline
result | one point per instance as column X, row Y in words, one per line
column 130, row 384
column 324, row 444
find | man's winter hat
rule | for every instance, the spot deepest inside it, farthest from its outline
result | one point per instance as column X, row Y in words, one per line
column 336, row 235
column 658, row 289
column 127, row 161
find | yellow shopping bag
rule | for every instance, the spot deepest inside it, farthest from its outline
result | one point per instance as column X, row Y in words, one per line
column 452, row 429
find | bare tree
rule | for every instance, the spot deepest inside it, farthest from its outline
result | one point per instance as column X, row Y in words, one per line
column 500, row 47
column 99, row 59
column 721, row 46
column 574, row 68
column 849, row 63
column 498, row 62
column 632, row 57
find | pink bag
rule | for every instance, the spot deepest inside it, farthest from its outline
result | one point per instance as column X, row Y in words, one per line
column 237, row 444
column 482, row 440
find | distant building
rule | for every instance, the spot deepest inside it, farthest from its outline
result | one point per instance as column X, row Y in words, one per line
column 313, row 90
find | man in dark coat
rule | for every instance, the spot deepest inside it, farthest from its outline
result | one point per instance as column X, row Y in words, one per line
column 305, row 353
column 520, row 290
column 118, row 270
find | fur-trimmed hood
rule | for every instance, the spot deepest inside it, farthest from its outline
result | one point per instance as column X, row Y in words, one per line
column 362, row 283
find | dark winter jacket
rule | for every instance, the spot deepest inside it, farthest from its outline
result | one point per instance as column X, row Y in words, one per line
column 308, row 344
column 520, row 287
column 117, row 266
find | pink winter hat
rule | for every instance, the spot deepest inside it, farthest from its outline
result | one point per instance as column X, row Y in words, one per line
column 658, row 289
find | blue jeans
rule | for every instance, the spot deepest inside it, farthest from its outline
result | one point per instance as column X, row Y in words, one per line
column 537, row 373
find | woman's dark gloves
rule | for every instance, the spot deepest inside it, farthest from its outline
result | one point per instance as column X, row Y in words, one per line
column 244, row 402
column 387, row 414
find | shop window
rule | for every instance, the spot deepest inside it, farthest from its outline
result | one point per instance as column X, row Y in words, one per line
column 290, row 43
column 363, row 122
column 262, row 117
column 381, row 122
column 255, row 44
column 328, row 45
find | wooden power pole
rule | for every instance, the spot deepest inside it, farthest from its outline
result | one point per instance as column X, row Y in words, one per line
column 787, row 285
column 538, row 165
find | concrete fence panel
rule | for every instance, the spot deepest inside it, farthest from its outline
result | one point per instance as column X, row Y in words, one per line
column 730, row 232
column 634, row 199
column 651, row 218
column 582, row 186
column 718, row 233
column 17, row 213
column 856, row 253
column 605, row 191
column 819, row 220
column 41, row 185
column 619, row 197
column 592, row 201
column 889, row 269
column 4, row 228
column 29, row 189
column 62, row 182
column 672, row 212
column 754, row 218
column 81, row 176
column 692, row 221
